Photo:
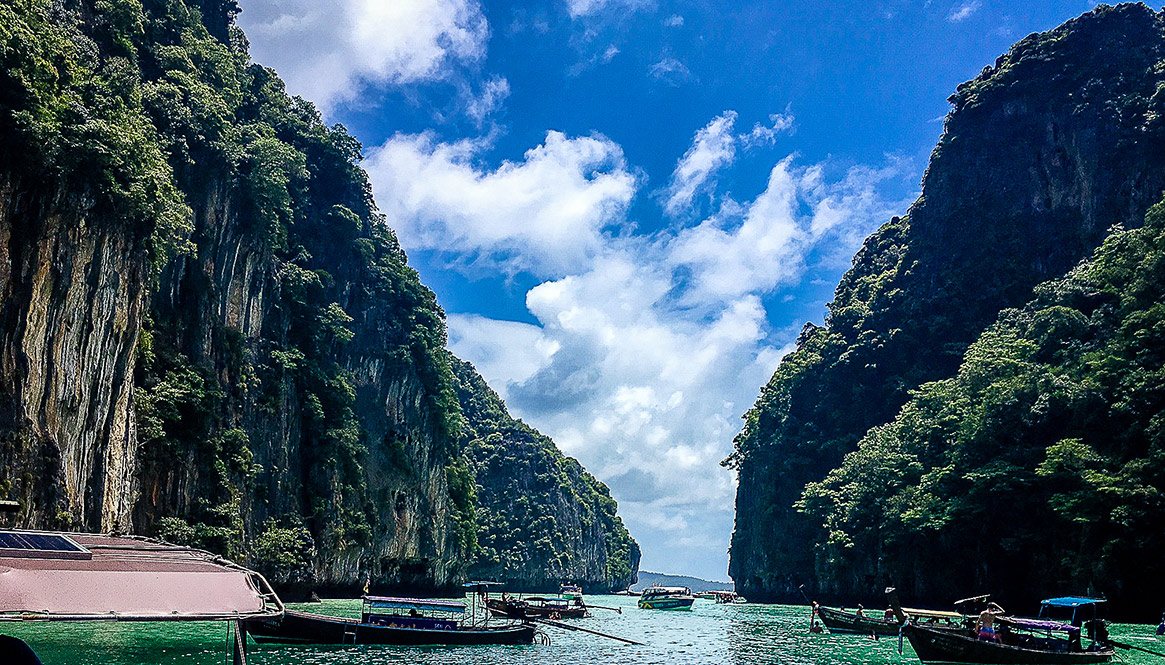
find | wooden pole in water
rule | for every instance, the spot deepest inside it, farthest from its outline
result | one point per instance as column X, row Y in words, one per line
column 240, row 645
column 566, row 626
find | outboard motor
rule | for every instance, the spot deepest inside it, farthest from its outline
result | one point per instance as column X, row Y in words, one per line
column 1097, row 631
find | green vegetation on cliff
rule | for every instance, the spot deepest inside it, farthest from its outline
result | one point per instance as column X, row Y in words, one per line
column 1040, row 465
column 542, row 519
column 289, row 400
column 1041, row 154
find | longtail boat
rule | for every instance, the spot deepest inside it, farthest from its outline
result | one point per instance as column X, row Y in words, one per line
column 1047, row 640
column 536, row 607
column 387, row 620
column 841, row 621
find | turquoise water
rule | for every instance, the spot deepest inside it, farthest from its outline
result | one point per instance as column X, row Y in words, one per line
column 709, row 634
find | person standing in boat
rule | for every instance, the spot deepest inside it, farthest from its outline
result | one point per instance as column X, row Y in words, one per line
column 985, row 626
column 860, row 614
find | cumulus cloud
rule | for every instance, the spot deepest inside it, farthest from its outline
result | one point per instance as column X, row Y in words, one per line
column 646, row 348
column 964, row 11
column 326, row 51
column 674, row 21
column 713, row 147
column 545, row 215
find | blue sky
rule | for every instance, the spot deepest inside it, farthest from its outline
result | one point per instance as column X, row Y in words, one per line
column 629, row 208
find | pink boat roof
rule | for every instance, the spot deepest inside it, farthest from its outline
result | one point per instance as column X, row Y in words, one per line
column 59, row 576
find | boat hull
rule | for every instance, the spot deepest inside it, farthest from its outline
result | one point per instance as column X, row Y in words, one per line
column 938, row 647
column 304, row 628
column 845, row 622
column 666, row 603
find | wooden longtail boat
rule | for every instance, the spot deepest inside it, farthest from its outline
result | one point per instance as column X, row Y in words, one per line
column 396, row 621
column 536, row 607
column 1016, row 640
column 840, row 621
column 946, row 646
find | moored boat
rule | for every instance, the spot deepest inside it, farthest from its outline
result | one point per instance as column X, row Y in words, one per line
column 666, row 598
column 1047, row 640
column 570, row 591
column 385, row 620
column 536, row 607
column 841, row 621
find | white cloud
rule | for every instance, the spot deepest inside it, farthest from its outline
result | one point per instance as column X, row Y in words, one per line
column 545, row 215
column 713, row 148
column 767, row 134
column 674, row 21
column 326, row 51
column 964, row 10
column 493, row 94
column 670, row 71
column 581, row 8
column 647, row 348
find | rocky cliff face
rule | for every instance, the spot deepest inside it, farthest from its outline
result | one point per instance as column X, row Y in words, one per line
column 208, row 333
column 1041, row 154
column 74, row 298
column 542, row 519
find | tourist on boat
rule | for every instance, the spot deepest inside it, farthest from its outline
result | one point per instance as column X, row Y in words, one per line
column 1161, row 626
column 985, row 627
column 888, row 615
column 859, row 613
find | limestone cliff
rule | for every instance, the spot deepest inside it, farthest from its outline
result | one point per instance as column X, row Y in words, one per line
column 209, row 333
column 542, row 519
column 1041, row 154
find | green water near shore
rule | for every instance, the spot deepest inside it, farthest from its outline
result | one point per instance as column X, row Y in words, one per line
column 709, row 634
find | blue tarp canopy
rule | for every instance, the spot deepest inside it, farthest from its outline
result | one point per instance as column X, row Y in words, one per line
column 1072, row 601
column 389, row 603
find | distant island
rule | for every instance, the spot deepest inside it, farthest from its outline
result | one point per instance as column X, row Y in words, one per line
column 696, row 584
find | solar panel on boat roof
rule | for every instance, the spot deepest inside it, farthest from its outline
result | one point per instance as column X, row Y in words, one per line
column 16, row 543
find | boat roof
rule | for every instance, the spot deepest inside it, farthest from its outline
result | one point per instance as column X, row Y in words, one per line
column 64, row 576
column 1072, row 601
column 391, row 603
column 667, row 589
column 469, row 585
column 1037, row 624
column 938, row 614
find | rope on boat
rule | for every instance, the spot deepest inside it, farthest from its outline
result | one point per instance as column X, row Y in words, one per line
column 566, row 626
column 1129, row 646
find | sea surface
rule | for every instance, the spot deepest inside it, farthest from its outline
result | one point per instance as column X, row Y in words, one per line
column 709, row 634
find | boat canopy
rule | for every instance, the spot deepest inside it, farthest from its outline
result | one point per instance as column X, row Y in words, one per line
column 1072, row 601
column 419, row 604
column 58, row 576
column 659, row 590
column 1037, row 624
column 931, row 614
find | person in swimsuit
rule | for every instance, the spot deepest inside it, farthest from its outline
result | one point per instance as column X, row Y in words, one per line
column 985, row 627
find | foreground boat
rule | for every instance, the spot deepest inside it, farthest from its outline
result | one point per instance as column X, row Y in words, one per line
column 395, row 621
column 666, row 598
column 1052, row 639
column 935, row 646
